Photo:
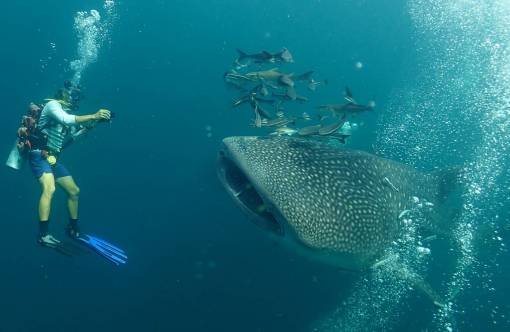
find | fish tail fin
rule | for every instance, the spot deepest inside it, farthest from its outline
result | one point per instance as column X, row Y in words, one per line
column 307, row 76
column 348, row 92
column 291, row 93
column 242, row 55
column 264, row 113
column 287, row 80
column 393, row 265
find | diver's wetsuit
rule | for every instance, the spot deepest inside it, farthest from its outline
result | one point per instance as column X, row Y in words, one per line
column 57, row 125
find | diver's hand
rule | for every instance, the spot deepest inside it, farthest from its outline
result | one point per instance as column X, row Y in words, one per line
column 81, row 132
column 102, row 115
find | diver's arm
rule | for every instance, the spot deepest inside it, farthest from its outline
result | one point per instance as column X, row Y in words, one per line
column 85, row 118
column 77, row 133
column 84, row 123
column 61, row 116
column 58, row 114
column 98, row 116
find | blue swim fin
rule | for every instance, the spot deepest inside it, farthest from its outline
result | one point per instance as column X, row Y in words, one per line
column 112, row 253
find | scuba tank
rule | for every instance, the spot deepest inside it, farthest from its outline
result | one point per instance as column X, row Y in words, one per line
column 16, row 160
column 29, row 137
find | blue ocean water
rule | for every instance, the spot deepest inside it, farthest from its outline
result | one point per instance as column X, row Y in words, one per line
column 439, row 75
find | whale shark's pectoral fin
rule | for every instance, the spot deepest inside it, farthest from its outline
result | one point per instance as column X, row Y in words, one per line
column 392, row 265
column 385, row 261
column 420, row 284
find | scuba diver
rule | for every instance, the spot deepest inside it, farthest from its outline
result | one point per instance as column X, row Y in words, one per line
column 44, row 133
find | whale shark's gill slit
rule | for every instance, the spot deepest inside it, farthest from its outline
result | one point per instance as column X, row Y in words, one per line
column 245, row 194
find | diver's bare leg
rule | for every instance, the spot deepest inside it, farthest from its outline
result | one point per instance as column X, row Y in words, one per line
column 72, row 190
column 47, row 182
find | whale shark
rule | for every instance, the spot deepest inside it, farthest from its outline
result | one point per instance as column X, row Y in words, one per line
column 333, row 204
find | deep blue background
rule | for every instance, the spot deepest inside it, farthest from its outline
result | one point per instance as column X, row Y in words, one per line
column 148, row 180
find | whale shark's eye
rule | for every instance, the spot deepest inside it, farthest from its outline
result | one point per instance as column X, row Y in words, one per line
column 246, row 195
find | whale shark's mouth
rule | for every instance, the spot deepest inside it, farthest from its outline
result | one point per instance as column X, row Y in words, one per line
column 245, row 194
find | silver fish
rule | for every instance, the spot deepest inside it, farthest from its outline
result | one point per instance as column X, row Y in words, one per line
column 333, row 127
column 277, row 122
column 310, row 130
column 290, row 94
column 284, row 131
column 265, row 57
column 348, row 108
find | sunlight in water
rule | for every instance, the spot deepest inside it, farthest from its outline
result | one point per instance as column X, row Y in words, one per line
column 455, row 112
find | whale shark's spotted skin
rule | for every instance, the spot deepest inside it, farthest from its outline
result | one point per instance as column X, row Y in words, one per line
column 335, row 202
